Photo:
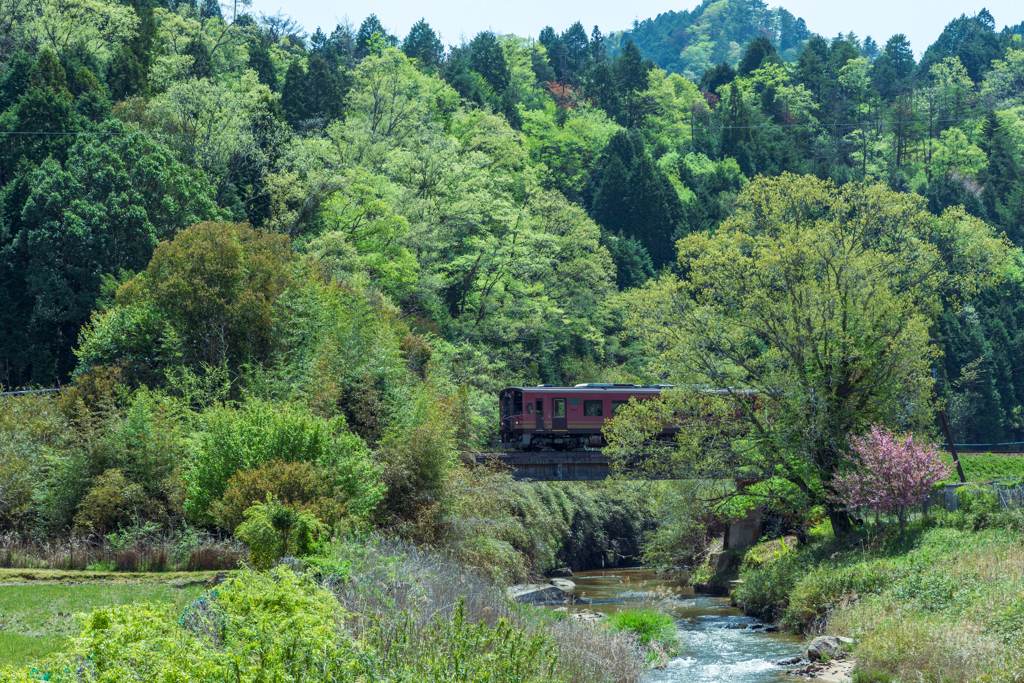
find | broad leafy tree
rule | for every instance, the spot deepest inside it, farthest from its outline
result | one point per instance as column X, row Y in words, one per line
column 803, row 319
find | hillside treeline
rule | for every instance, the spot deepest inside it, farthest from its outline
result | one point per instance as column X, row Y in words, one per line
column 228, row 233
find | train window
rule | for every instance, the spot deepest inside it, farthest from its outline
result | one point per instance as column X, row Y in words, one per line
column 529, row 408
column 593, row 408
column 558, row 407
column 518, row 403
column 616, row 405
column 540, row 406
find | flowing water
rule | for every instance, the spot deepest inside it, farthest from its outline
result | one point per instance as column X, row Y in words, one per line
column 715, row 646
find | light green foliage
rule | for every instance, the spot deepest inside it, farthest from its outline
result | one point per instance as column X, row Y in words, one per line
column 99, row 24
column 193, row 45
column 954, row 153
column 674, row 98
column 953, row 91
column 791, row 298
column 1004, row 83
column 651, row 627
column 452, row 649
column 40, row 619
column 566, row 149
column 256, row 627
column 257, row 432
column 273, row 530
column 794, row 98
column 210, row 124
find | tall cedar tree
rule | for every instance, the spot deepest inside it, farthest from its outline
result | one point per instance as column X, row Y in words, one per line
column 423, row 44
column 1001, row 178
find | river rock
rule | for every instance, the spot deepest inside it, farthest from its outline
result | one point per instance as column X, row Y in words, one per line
column 587, row 617
column 539, row 594
column 560, row 573
column 564, row 584
column 826, row 646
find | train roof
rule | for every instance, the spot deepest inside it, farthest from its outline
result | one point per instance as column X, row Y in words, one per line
column 621, row 388
column 591, row 388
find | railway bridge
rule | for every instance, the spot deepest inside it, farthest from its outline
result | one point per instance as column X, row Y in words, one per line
column 551, row 465
column 590, row 465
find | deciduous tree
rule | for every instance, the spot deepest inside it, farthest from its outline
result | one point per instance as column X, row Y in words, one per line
column 890, row 473
column 803, row 319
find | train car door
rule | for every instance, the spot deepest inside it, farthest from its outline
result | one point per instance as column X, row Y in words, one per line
column 540, row 414
column 559, row 419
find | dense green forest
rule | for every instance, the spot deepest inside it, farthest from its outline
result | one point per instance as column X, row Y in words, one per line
column 226, row 233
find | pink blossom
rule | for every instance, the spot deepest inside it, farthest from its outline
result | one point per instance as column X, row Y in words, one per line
column 892, row 474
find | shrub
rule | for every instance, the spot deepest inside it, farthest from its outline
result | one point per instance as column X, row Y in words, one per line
column 112, row 501
column 273, row 530
column 272, row 627
column 416, row 454
column 298, row 484
column 258, row 432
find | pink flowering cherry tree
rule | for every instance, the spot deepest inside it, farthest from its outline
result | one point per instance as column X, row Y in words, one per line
column 892, row 473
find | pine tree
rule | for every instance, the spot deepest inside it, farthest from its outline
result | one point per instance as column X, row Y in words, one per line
column 1003, row 185
column 423, row 44
column 759, row 50
column 295, row 94
column 128, row 73
column 487, row 58
column 324, row 96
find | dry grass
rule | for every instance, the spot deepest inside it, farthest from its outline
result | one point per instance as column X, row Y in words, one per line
column 81, row 552
column 900, row 643
column 399, row 590
column 956, row 625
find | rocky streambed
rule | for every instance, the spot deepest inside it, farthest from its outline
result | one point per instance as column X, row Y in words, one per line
column 718, row 642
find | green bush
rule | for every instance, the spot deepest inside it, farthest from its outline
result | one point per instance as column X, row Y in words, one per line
column 112, row 501
column 975, row 500
column 298, row 484
column 647, row 625
column 273, row 530
column 454, row 649
column 244, row 438
column 271, row 627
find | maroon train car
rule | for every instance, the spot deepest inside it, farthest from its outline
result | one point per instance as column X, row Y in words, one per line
column 563, row 418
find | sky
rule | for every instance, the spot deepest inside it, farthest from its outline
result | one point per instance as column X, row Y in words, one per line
column 921, row 22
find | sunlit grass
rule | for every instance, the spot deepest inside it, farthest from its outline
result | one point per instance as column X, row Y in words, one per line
column 38, row 619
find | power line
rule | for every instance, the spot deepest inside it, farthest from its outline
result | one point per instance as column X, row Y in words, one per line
column 29, row 391
column 860, row 124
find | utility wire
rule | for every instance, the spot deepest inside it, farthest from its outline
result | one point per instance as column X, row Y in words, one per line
column 509, row 132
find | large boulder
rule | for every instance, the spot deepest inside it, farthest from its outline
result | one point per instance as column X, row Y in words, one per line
column 560, row 573
column 539, row 594
column 565, row 584
column 826, row 647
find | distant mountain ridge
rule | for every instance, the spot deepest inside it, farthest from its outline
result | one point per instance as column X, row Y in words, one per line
column 690, row 41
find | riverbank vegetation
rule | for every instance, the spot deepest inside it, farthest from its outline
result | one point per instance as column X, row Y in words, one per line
column 937, row 603
column 276, row 277
column 657, row 632
column 367, row 609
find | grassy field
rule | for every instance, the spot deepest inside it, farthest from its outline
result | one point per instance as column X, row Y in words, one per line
column 987, row 466
column 38, row 608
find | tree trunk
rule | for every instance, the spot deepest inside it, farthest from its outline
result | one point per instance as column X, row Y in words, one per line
column 841, row 524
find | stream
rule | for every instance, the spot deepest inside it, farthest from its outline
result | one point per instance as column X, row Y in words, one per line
column 712, row 647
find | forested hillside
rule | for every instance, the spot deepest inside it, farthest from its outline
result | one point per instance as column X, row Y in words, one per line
column 690, row 42
column 374, row 233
